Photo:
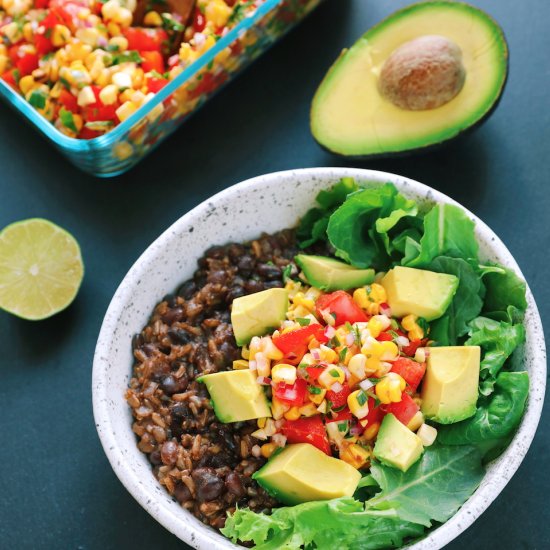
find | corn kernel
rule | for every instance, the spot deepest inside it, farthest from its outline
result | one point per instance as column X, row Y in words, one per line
column 357, row 365
column 360, row 297
column 60, row 35
column 110, row 8
column 263, row 364
column 308, row 410
column 88, row 35
column 245, row 353
column 270, row 349
column 284, row 373
column 355, row 455
column 293, row 414
column 409, row 322
column 122, row 80
column 114, row 28
column 375, row 327
column 416, row 421
column 28, row 33
column 278, row 408
column 123, row 150
column 126, row 110
column 322, row 408
column 268, row 449
column 26, row 84
column 261, row 422
column 317, row 398
column 119, row 42
column 416, row 334
column 327, row 354
column 390, row 351
column 13, row 32
column 330, row 375
column 358, row 403
column 240, row 364
column 427, row 434
column 390, row 388
column 301, row 300
column 217, row 12
column 86, row 96
column 152, row 19
column 109, row 94
column 371, row 431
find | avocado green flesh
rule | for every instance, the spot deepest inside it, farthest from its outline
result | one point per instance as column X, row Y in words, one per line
column 396, row 445
column 419, row 292
column 258, row 313
column 350, row 117
column 302, row 473
column 450, row 386
column 236, row 396
column 330, row 274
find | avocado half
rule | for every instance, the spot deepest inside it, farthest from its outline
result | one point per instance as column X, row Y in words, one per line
column 350, row 116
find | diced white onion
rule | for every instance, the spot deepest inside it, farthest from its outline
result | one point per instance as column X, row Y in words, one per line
column 336, row 387
column 256, row 451
column 366, row 384
column 330, row 332
column 385, row 309
column 402, row 341
column 350, row 339
column 279, row 440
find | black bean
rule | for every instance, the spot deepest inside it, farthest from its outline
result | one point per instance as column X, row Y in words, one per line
column 149, row 349
column 207, row 484
column 217, row 277
column 233, row 485
column 217, row 252
column 235, row 292
column 235, row 251
column 187, row 289
column 170, row 384
column 182, row 493
column 172, row 315
column 252, row 286
column 137, row 341
column 169, row 453
column 268, row 271
column 154, row 458
column 273, row 284
column 245, row 265
column 172, row 300
column 179, row 336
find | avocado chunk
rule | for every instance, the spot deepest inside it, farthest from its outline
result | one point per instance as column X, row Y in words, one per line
column 236, row 396
column 396, row 445
column 450, row 385
column 330, row 274
column 302, row 473
column 418, row 292
column 421, row 77
column 259, row 313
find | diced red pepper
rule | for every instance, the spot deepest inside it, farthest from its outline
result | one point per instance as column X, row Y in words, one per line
column 69, row 101
column 145, row 40
column 411, row 371
column 404, row 410
column 291, row 394
column 27, row 63
column 313, row 373
column 384, row 337
column 294, row 343
column 10, row 77
column 341, row 416
column 338, row 398
column 341, row 305
column 152, row 61
column 42, row 44
column 155, row 84
column 307, row 430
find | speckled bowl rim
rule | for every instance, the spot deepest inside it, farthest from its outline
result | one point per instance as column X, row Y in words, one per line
column 186, row 527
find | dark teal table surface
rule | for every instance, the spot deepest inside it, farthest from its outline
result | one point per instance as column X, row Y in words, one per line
column 57, row 490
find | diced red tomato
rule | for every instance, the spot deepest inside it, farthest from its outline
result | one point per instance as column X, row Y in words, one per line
column 291, row 394
column 404, row 410
column 199, row 21
column 98, row 111
column 10, row 77
column 156, row 84
column 313, row 373
column 341, row 416
column 145, row 40
column 13, row 53
column 297, row 340
column 338, row 398
column 42, row 44
column 341, row 304
column 384, row 337
column 68, row 101
column 376, row 414
column 41, row 4
column 152, row 61
column 27, row 63
column 208, row 83
column 411, row 371
column 307, row 430
column 87, row 133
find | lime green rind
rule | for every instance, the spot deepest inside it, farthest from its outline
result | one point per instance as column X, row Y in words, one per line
column 475, row 118
column 54, row 311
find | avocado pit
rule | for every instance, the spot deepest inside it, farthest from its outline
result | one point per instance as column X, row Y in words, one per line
column 424, row 73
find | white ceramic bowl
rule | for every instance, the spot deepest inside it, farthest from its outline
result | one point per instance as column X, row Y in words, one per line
column 266, row 203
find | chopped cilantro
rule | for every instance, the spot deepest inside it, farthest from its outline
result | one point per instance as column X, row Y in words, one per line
column 314, row 390
column 38, row 99
column 170, row 24
column 67, row 119
column 374, row 380
column 361, row 398
column 334, row 373
column 303, row 322
column 124, row 57
column 286, row 273
column 342, row 354
column 334, row 342
column 343, row 426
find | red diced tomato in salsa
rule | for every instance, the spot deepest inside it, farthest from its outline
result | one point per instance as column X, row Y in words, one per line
column 411, row 371
column 341, row 306
column 338, row 398
column 291, row 394
column 307, row 430
column 404, row 410
column 145, row 40
column 295, row 342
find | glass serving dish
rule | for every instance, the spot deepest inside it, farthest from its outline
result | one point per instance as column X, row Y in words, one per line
column 118, row 150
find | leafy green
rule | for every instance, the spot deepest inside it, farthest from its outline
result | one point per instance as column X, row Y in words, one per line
column 340, row 523
column 447, row 232
column 313, row 226
column 433, row 489
column 38, row 99
column 497, row 340
column 496, row 417
column 358, row 229
column 504, row 290
column 466, row 304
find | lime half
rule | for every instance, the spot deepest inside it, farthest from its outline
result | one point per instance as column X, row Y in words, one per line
column 40, row 269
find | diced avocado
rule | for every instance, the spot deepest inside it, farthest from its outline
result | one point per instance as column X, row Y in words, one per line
column 301, row 473
column 258, row 314
column 420, row 292
column 450, row 385
column 236, row 396
column 424, row 75
column 396, row 445
column 330, row 274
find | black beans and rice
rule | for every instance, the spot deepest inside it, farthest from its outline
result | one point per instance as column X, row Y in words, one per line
column 206, row 465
